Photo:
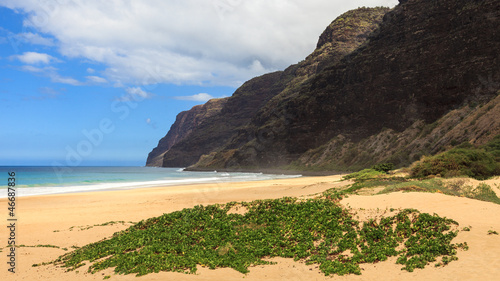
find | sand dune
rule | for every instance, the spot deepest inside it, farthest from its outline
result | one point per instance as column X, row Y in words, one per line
column 68, row 220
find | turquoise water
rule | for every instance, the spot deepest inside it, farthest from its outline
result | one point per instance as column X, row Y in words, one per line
column 52, row 180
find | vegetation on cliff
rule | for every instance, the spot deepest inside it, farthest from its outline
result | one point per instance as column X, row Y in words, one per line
column 450, row 173
column 465, row 160
column 472, row 123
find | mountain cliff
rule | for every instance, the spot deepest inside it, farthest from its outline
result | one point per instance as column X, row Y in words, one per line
column 184, row 124
column 381, row 86
column 214, row 132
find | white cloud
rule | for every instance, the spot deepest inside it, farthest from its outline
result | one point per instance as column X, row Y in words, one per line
column 30, row 68
column 90, row 70
column 96, row 79
column 56, row 78
column 221, row 42
column 51, row 72
column 135, row 94
column 35, row 58
column 137, row 91
column 34, row 38
column 201, row 97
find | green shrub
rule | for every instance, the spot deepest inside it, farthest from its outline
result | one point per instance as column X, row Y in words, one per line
column 483, row 192
column 478, row 163
column 365, row 174
column 493, row 147
column 383, row 167
column 429, row 185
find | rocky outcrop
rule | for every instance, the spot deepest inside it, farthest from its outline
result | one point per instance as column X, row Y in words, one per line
column 213, row 132
column 372, row 90
column 344, row 35
column 184, row 124
column 426, row 59
column 223, row 130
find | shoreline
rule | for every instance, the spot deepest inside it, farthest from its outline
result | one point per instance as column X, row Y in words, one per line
column 76, row 219
column 209, row 178
column 268, row 171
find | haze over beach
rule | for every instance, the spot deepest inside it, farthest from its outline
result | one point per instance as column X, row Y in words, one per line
column 250, row 140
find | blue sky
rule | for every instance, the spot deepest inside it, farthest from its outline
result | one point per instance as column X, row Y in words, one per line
column 99, row 83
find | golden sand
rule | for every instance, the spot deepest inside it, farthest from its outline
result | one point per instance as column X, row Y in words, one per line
column 68, row 220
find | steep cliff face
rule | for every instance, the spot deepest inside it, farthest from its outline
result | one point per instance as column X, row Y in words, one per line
column 344, row 35
column 223, row 130
column 379, row 83
column 426, row 59
column 184, row 124
column 214, row 131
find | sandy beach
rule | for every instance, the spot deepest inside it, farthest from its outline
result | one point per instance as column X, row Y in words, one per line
column 76, row 219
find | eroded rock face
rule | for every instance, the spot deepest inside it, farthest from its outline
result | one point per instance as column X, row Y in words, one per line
column 374, row 71
column 426, row 59
column 184, row 124
column 214, row 131
column 226, row 128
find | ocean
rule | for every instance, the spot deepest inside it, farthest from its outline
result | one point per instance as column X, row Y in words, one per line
column 53, row 180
